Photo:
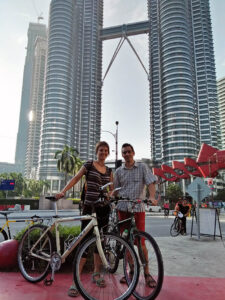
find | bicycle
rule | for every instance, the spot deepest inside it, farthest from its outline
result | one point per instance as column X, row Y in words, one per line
column 36, row 256
column 166, row 212
column 141, row 241
column 7, row 235
column 176, row 227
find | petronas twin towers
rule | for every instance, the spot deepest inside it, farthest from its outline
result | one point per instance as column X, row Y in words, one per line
column 182, row 81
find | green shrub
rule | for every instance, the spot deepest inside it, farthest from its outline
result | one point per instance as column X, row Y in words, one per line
column 75, row 200
column 64, row 232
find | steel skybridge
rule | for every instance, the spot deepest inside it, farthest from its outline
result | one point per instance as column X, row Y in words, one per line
column 114, row 32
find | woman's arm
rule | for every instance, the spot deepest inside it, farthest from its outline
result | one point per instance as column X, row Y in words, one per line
column 72, row 182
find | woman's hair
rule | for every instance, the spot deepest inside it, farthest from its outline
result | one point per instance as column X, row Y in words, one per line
column 100, row 144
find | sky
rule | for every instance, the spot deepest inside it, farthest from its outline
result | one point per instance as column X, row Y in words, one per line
column 125, row 94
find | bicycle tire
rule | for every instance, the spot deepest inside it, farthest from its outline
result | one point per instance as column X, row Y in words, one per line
column 3, row 235
column 83, row 277
column 153, row 265
column 35, row 269
column 175, row 228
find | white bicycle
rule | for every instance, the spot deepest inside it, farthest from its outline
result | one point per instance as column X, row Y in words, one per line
column 37, row 255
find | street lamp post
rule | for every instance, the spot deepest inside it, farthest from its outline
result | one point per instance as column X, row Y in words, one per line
column 115, row 135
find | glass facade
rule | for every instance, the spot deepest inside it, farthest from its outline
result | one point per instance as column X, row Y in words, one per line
column 35, row 30
column 221, row 97
column 183, row 97
column 72, row 103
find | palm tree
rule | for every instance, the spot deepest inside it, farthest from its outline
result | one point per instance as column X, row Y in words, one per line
column 66, row 160
column 78, row 165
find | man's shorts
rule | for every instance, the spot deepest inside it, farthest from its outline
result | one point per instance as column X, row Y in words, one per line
column 139, row 220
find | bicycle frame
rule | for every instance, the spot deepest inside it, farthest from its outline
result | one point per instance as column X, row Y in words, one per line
column 6, row 224
column 92, row 224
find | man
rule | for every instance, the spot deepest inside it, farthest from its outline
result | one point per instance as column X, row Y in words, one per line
column 132, row 178
column 184, row 208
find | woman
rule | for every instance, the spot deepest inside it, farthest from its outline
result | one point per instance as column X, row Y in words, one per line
column 97, row 175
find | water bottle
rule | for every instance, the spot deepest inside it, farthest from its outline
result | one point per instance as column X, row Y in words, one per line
column 125, row 234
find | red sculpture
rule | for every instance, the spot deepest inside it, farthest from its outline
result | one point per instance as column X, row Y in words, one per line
column 207, row 164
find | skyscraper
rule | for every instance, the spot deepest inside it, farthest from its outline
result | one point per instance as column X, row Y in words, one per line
column 183, row 97
column 36, row 104
column 35, row 30
column 72, row 104
column 221, row 98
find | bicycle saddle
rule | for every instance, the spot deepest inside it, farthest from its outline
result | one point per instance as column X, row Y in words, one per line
column 5, row 213
column 51, row 198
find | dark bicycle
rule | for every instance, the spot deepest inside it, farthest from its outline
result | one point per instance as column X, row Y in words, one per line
column 176, row 227
column 149, row 255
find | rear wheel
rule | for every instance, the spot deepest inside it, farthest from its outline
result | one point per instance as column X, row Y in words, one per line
column 175, row 227
column 105, row 284
column 151, row 266
column 3, row 235
column 35, row 269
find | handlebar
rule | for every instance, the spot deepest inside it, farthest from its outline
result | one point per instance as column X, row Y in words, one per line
column 105, row 186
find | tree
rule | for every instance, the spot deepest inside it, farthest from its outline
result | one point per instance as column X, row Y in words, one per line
column 35, row 187
column 220, row 195
column 66, row 160
column 173, row 193
column 78, row 165
column 23, row 187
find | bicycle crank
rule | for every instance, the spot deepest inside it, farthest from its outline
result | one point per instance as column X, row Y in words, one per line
column 55, row 264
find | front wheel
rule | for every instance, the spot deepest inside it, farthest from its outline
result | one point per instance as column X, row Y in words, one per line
column 94, row 280
column 151, row 266
column 34, row 262
column 3, row 235
column 175, row 227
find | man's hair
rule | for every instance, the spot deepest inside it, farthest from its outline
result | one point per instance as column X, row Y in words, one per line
column 100, row 144
column 127, row 145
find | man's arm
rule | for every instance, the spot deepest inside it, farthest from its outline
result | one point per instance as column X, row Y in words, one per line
column 151, row 189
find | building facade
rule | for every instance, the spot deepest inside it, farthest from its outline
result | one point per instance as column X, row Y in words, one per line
column 183, row 96
column 35, row 110
column 182, row 82
column 72, row 103
column 35, row 30
column 221, row 98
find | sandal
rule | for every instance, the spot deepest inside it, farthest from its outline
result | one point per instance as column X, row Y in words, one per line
column 100, row 282
column 73, row 291
column 150, row 281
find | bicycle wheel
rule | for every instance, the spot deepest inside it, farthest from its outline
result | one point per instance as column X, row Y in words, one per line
column 151, row 264
column 175, row 228
column 105, row 284
column 3, row 235
column 35, row 269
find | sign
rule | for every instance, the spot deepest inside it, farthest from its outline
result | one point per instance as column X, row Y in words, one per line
column 198, row 190
column 7, row 185
column 209, row 224
column 210, row 181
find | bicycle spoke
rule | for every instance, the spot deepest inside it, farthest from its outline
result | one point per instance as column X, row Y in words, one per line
column 105, row 284
column 151, row 266
column 34, row 264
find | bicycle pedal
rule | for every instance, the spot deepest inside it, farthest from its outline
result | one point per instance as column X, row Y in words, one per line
column 48, row 282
